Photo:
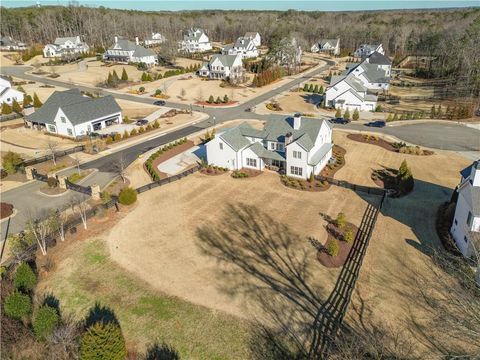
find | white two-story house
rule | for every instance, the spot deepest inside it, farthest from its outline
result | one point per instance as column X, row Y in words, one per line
column 195, row 40
column 298, row 146
column 348, row 92
column 255, row 36
column 223, row 67
column 8, row 94
column 365, row 50
column 329, row 46
column 154, row 40
column 466, row 222
column 9, row 44
column 65, row 46
column 126, row 51
column 71, row 114
column 244, row 46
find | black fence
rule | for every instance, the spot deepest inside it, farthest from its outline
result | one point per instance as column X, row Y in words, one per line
column 168, row 180
column 58, row 154
column 354, row 187
column 38, row 176
column 87, row 190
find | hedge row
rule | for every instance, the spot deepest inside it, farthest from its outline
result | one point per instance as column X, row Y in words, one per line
column 149, row 163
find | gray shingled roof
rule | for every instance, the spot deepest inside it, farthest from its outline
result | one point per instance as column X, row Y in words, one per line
column 374, row 74
column 379, row 59
column 127, row 45
column 226, row 60
column 78, row 108
column 475, row 199
column 234, row 138
column 320, row 154
column 193, row 34
column 63, row 40
column 240, row 45
column 323, row 42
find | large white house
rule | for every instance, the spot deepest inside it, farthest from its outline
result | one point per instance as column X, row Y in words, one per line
column 195, row 40
column 466, row 223
column 154, row 39
column 8, row 94
column 331, row 46
column 244, row 46
column 65, row 46
column 298, row 146
column 348, row 92
column 69, row 113
column 126, row 51
column 255, row 36
column 367, row 49
column 223, row 67
column 7, row 43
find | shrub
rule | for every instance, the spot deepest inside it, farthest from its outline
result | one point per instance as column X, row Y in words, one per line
column 127, row 196
column 346, row 114
column 356, row 115
column 141, row 130
column 405, row 178
column 6, row 109
column 125, row 135
column 211, row 99
column 25, row 278
column 124, row 75
column 52, row 182
column 36, row 101
column 237, row 174
column 45, row 321
column 16, row 107
column 109, row 140
column 348, row 236
column 305, row 87
column 117, row 137
column 156, row 124
column 149, row 127
column 158, row 92
column 333, row 248
column 133, row 132
column 11, row 161
column 27, row 101
column 103, row 341
column 340, row 220
column 141, row 89
column 338, row 113
column 17, row 305
column 225, row 99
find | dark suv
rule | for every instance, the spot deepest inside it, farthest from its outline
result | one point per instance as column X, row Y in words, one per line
column 377, row 123
column 339, row 120
column 141, row 122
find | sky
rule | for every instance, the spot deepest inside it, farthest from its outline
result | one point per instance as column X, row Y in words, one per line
column 307, row 5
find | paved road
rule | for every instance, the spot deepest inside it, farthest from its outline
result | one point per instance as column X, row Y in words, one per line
column 446, row 136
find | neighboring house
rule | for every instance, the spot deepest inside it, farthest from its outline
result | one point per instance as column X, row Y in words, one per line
column 372, row 76
column 222, row 67
column 65, row 46
column 255, row 36
column 154, row 39
column 126, row 51
column 69, row 113
column 466, row 222
column 348, row 92
column 331, row 46
column 243, row 46
column 8, row 44
column 367, row 49
column 290, row 53
column 298, row 146
column 195, row 40
column 8, row 94
column 382, row 62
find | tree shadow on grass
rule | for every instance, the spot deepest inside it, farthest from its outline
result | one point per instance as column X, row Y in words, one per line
column 51, row 301
column 276, row 276
column 161, row 352
column 100, row 313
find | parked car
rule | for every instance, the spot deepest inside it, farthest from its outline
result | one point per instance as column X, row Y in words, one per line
column 339, row 120
column 159, row 103
column 141, row 122
column 377, row 123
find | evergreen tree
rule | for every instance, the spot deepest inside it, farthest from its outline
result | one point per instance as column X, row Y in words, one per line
column 395, row 117
column 305, row 87
column 211, row 99
column 124, row 75
column 27, row 101
column 6, row 109
column 45, row 321
column 338, row 113
column 405, row 178
column 310, row 89
column 432, row 112
column 315, row 89
column 225, row 99
column 321, row 91
column 439, row 112
column 17, row 305
column 389, row 117
column 143, row 77
column 16, row 107
column 25, row 279
column 346, row 115
column 218, row 100
column 115, row 77
column 103, row 341
column 356, row 115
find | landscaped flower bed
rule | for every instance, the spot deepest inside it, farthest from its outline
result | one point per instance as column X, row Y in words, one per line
column 341, row 235
column 399, row 147
column 5, row 210
column 245, row 173
column 165, row 153
column 400, row 182
column 213, row 170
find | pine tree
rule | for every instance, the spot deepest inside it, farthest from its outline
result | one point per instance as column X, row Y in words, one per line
column 310, row 89
column 211, row 99
column 389, row 117
column 103, row 341
column 315, row 89
column 356, row 115
column 321, row 91
column 338, row 113
column 439, row 112
column 395, row 117
column 432, row 112
column 16, row 106
column 225, row 99
column 115, row 76
column 124, row 75
column 143, row 77
column 27, row 101
column 305, row 87
column 6, row 109
column 346, row 115
column 45, row 321
column 109, row 79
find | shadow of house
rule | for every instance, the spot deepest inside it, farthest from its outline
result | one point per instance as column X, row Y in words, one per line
column 313, row 98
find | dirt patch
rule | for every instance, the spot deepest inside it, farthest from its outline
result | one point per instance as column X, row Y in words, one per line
column 334, row 261
column 5, row 210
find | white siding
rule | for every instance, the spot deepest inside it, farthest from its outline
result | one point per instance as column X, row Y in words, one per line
column 291, row 161
column 460, row 228
column 221, row 155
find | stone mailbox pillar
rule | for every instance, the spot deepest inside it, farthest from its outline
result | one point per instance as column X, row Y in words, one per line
column 29, row 172
column 61, row 181
column 95, row 192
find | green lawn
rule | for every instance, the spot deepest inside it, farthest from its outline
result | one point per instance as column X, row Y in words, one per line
column 146, row 316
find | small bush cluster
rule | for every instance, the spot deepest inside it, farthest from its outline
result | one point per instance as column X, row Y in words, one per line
column 127, row 196
column 333, row 248
column 274, row 106
column 11, row 161
column 117, row 137
column 218, row 100
column 313, row 89
column 237, row 174
column 149, row 163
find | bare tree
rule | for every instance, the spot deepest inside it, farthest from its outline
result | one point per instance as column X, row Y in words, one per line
column 79, row 205
column 76, row 160
column 52, row 147
column 63, row 342
column 40, row 227
column 120, row 167
column 59, row 221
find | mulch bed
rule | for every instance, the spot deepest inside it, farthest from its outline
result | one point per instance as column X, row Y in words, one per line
column 389, row 146
column 335, row 233
column 6, row 210
column 339, row 153
column 52, row 191
column 174, row 112
column 212, row 170
column 204, row 103
column 386, row 178
column 250, row 173
column 167, row 155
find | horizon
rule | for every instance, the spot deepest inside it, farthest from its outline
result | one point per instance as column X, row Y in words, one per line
column 266, row 5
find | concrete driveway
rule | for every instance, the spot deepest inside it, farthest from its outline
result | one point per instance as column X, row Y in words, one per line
column 182, row 161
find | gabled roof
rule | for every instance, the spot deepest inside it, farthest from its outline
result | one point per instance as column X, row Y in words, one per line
column 226, row 60
column 243, row 42
column 127, row 45
column 320, row 154
column 332, row 42
column 78, row 108
column 379, row 59
column 235, row 139
column 251, row 34
column 63, row 40
column 373, row 73
column 193, row 34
